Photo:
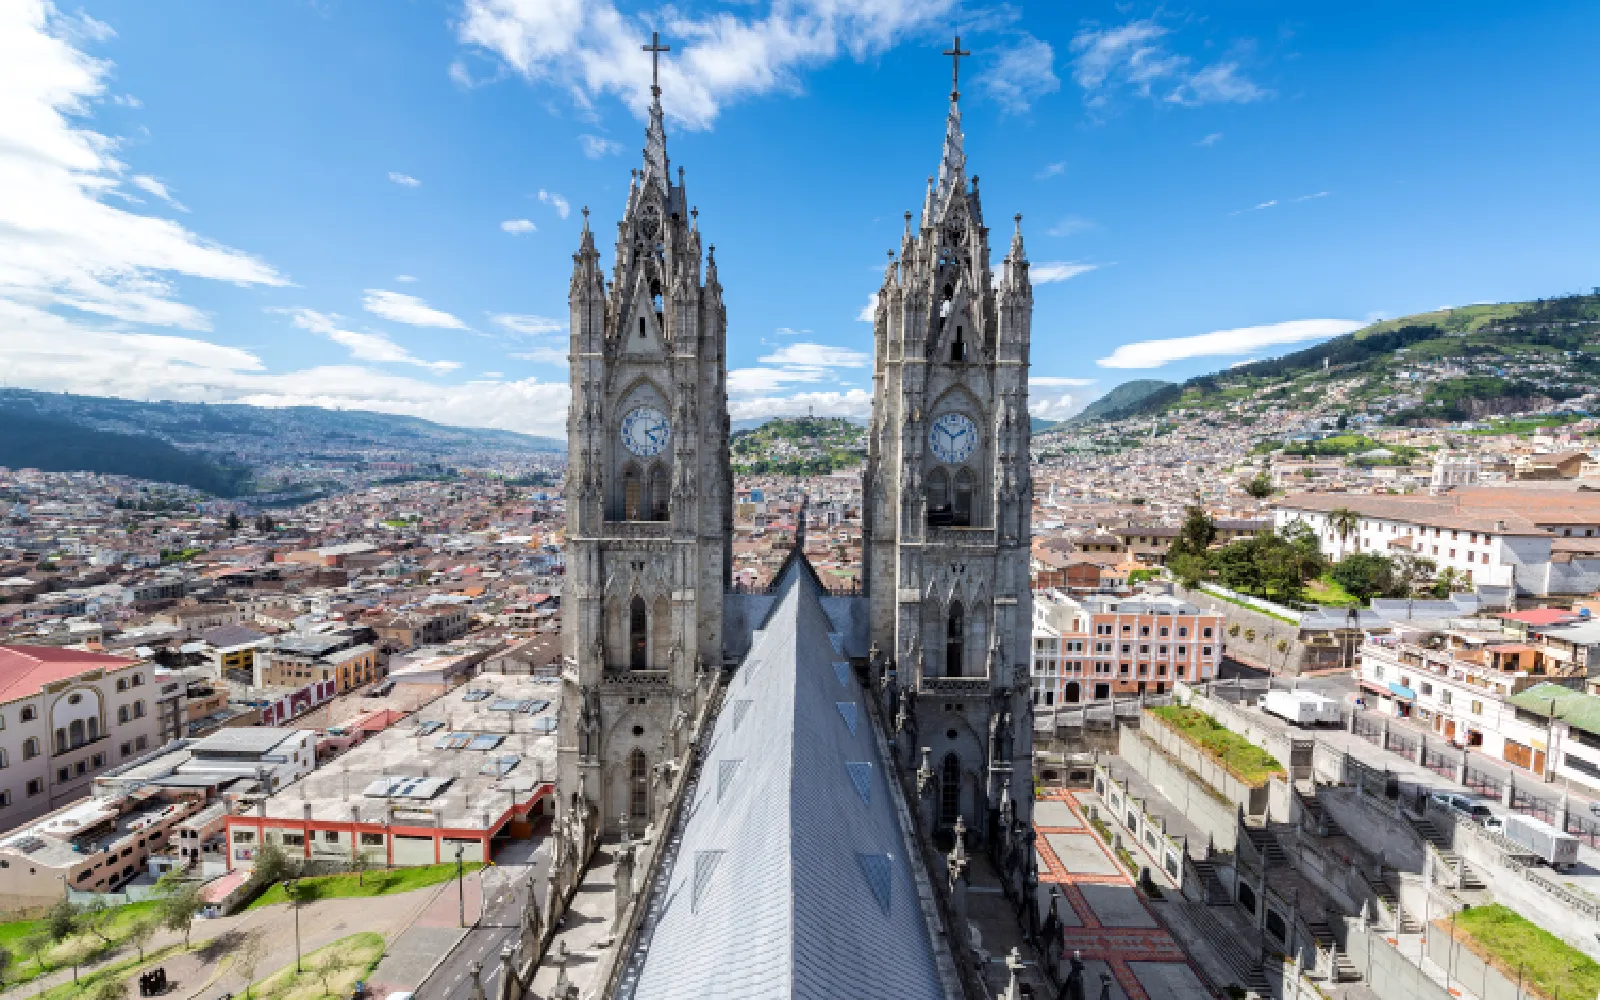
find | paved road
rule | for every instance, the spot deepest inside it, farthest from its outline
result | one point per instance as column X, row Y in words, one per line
column 505, row 894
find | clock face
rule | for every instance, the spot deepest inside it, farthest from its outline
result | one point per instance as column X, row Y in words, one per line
column 645, row 431
column 952, row 438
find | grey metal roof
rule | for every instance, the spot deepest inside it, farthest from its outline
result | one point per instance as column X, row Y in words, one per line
column 790, row 879
column 252, row 739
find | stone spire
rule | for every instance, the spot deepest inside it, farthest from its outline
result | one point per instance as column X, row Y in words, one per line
column 953, row 161
column 655, row 145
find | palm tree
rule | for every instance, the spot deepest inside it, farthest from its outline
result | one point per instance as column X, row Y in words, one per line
column 1344, row 523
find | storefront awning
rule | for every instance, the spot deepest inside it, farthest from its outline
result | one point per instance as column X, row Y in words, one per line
column 1401, row 691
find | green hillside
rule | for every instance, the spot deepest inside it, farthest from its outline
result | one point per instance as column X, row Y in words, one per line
column 800, row 446
column 55, row 445
column 1555, row 342
column 1125, row 399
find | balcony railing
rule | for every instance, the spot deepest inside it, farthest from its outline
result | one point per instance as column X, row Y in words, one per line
column 623, row 677
column 963, row 686
column 636, row 529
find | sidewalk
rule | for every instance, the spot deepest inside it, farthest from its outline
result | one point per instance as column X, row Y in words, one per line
column 430, row 937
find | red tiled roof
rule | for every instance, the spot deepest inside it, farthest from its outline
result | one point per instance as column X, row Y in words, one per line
column 26, row 669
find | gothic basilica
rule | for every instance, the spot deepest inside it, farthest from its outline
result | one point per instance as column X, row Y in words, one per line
column 786, row 791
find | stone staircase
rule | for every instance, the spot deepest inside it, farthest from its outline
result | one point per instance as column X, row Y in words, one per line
column 1469, row 879
column 1266, row 845
column 1228, row 946
column 1213, row 890
column 1344, row 971
column 1385, row 891
column 1319, row 815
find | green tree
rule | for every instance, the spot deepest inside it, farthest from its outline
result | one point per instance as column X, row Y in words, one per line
column 142, row 929
column 1343, row 423
column 1344, row 523
column 1197, row 533
column 179, row 902
column 233, row 521
column 272, row 866
column 110, row 988
column 328, row 967
column 35, row 945
column 96, row 918
column 1260, row 487
column 61, row 920
column 1411, row 571
column 1445, row 583
column 247, row 957
column 1364, row 574
column 80, row 952
column 5, row 964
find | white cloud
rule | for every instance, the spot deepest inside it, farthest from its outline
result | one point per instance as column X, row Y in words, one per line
column 64, row 245
column 404, row 278
column 527, row 324
column 544, row 355
column 850, row 403
column 362, row 346
column 1311, row 197
column 591, row 49
column 1134, row 56
column 1053, row 405
column 1210, row 140
column 149, row 185
column 869, row 311
column 1051, row 170
column 459, row 75
column 44, row 351
column 816, row 355
column 518, row 227
column 1245, row 340
column 1021, row 75
column 493, row 375
column 594, row 147
column 1070, row 226
column 1057, row 381
column 402, row 308
column 1045, row 272
column 555, row 201
column 404, row 180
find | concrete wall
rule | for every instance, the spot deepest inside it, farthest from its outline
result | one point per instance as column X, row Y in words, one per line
column 1387, row 972
column 1185, row 790
column 1471, row 972
column 1379, row 829
column 1254, row 800
column 1262, row 651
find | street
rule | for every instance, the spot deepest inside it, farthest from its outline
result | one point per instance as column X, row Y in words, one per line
column 505, row 893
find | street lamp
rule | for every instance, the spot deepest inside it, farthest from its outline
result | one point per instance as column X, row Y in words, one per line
column 461, row 888
column 294, row 904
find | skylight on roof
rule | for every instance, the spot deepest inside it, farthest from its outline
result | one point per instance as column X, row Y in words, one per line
column 878, row 870
column 476, row 695
column 500, row 766
column 861, row 776
column 705, row 866
column 486, row 741
column 429, row 727
column 841, row 670
column 848, row 709
column 544, row 725
column 741, row 708
column 452, row 741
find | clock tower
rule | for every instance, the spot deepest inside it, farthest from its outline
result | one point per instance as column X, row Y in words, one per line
column 648, row 497
column 948, row 496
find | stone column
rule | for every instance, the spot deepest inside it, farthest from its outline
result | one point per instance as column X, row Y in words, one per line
column 1508, row 790
column 622, row 893
column 1422, row 751
column 1461, row 769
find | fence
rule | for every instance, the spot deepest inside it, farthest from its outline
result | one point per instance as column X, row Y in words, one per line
column 1481, row 781
column 1533, row 805
column 1584, row 828
column 1439, row 762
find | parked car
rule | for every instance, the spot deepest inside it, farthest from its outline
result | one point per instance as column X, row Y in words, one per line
column 1464, row 806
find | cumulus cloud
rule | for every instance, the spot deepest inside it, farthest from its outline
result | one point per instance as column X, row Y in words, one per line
column 65, row 245
column 1245, row 340
column 556, row 202
column 544, row 355
column 404, row 180
column 363, row 346
column 526, row 324
column 1021, row 74
column 1045, row 272
column 849, row 403
column 869, row 311
column 1134, row 57
column 817, row 356
column 517, row 227
column 594, row 147
column 800, row 363
column 591, row 49
column 402, row 308
column 1053, row 405
column 1057, row 381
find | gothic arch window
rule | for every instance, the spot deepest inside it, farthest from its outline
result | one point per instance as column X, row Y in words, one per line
column 658, row 492
column 638, row 786
column 632, row 493
column 938, row 495
column 950, row 789
column 958, row 346
column 961, row 505
column 655, row 298
column 638, row 635
column 661, row 633
column 641, row 326
column 955, row 635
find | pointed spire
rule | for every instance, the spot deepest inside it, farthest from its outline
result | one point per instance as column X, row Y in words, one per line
column 953, row 162
column 1017, row 252
column 655, row 145
column 587, row 239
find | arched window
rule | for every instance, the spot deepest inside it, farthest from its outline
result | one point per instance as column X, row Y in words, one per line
column 658, row 492
column 122, row 684
column 638, row 635
column 955, row 635
column 29, row 713
column 632, row 494
column 1074, row 693
column 958, row 347
column 75, row 729
column 938, row 494
column 961, row 508
column 638, row 786
column 950, row 789
column 662, row 622
column 94, row 728
column 5, row 758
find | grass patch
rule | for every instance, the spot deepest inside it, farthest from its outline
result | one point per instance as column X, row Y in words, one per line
column 24, row 967
column 1508, row 940
column 1248, row 606
column 88, row 983
column 379, row 882
column 1237, row 755
column 1327, row 590
column 354, row 957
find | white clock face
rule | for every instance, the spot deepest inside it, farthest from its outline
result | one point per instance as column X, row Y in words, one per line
column 645, row 431
column 953, row 437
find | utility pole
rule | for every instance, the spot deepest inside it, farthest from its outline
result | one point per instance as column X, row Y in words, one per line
column 461, row 888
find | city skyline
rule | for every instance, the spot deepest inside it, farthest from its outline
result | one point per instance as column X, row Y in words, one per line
column 326, row 205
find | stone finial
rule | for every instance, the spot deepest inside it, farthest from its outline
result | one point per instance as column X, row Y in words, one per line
column 1014, row 968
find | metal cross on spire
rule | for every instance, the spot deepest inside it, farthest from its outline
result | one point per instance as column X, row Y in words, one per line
column 655, row 48
column 955, row 53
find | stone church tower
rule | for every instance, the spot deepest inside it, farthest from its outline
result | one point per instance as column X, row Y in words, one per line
column 648, row 498
column 948, row 495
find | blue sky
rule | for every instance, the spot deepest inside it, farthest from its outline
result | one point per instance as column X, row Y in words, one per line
column 374, row 205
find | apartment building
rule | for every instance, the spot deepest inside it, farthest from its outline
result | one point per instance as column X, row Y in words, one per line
column 411, row 629
column 67, row 715
column 1088, row 648
column 347, row 657
column 1543, row 541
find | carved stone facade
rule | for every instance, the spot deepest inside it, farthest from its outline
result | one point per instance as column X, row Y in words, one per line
column 649, row 497
column 948, row 500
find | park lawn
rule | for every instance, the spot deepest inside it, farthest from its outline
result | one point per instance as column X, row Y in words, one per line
column 1326, row 590
column 378, row 882
column 1511, row 941
column 357, row 955
column 24, row 968
column 88, row 982
column 1237, row 755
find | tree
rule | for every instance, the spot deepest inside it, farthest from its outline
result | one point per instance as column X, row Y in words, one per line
column 110, row 988
column 1344, row 523
column 180, row 901
column 1364, row 574
column 5, row 964
column 61, row 920
column 1197, row 533
column 80, row 952
column 359, row 863
column 233, row 521
column 1410, row 572
column 97, row 918
column 247, row 958
column 328, row 967
column 1444, row 584
column 1260, row 487
column 272, row 866
column 1343, row 423
column 142, row 929
column 35, row 945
